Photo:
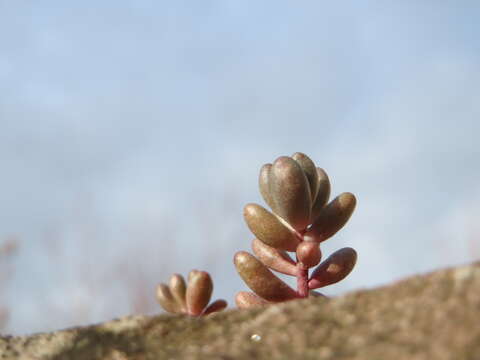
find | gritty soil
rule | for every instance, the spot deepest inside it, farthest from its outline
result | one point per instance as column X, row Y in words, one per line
column 433, row 316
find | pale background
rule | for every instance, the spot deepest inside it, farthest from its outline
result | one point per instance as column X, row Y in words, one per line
column 132, row 132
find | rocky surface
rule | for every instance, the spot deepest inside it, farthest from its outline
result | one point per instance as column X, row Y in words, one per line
column 434, row 316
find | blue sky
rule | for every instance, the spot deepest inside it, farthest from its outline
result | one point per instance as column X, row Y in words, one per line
column 132, row 133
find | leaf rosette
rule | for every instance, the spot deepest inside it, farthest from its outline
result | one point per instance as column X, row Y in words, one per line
column 192, row 298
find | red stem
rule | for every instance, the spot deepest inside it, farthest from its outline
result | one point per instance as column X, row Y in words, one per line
column 302, row 271
column 302, row 280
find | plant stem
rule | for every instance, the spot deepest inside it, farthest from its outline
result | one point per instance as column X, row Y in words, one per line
column 302, row 280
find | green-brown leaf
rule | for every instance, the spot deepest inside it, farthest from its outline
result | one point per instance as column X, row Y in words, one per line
column 290, row 191
column 268, row 228
column 261, row 280
column 277, row 260
column 199, row 291
column 335, row 268
column 332, row 218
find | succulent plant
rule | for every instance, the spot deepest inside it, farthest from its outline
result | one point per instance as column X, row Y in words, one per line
column 301, row 218
column 191, row 299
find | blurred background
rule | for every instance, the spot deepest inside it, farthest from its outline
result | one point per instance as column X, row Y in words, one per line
column 132, row 133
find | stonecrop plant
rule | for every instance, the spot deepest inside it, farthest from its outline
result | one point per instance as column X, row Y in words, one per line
column 301, row 218
column 190, row 299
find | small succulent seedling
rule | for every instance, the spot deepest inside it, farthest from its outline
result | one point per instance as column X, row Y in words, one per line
column 189, row 299
column 301, row 218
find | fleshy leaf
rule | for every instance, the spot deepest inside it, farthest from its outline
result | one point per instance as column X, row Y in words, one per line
column 308, row 167
column 166, row 300
column 261, row 280
column 178, row 289
column 323, row 193
column 332, row 218
column 199, row 291
column 217, row 305
column 269, row 228
column 290, row 191
column 335, row 268
column 275, row 259
column 264, row 185
column 308, row 253
column 246, row 299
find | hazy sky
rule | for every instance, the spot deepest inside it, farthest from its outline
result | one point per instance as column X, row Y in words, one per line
column 132, row 133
